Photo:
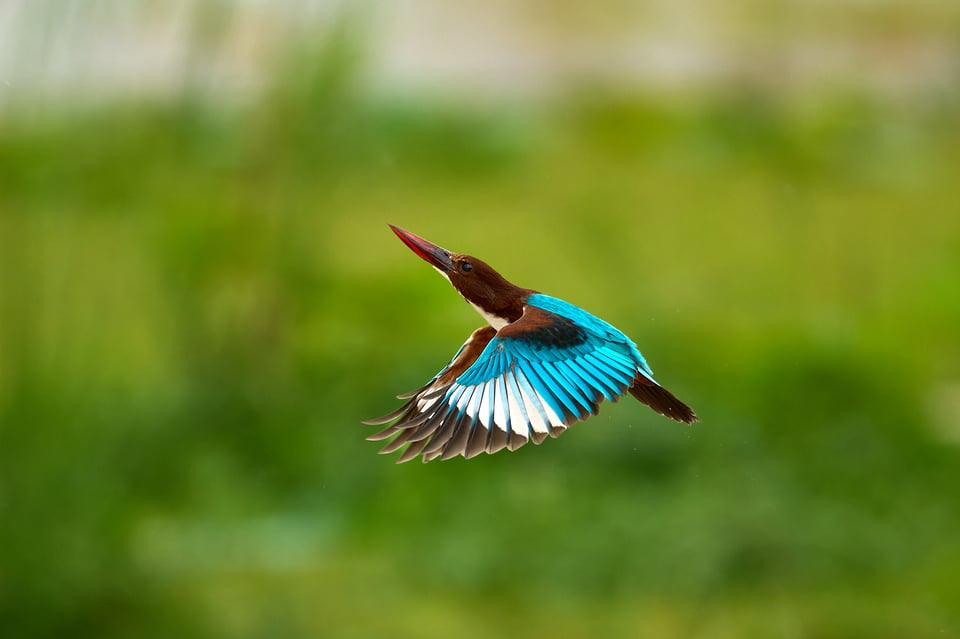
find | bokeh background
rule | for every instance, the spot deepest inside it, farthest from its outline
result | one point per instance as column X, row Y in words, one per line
column 200, row 300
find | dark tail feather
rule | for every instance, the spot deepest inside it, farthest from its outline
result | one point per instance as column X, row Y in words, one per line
column 661, row 400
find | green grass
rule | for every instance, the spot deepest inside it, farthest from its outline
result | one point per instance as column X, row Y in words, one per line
column 198, row 307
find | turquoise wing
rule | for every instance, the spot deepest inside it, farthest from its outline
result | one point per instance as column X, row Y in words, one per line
column 532, row 379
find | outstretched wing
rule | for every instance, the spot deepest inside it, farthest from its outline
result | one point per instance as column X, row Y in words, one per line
column 533, row 378
column 423, row 402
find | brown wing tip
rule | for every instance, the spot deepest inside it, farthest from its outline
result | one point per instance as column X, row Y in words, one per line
column 663, row 401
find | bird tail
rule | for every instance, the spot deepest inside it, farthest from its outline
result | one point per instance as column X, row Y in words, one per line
column 661, row 400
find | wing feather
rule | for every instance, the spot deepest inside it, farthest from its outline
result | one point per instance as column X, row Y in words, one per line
column 485, row 410
column 552, row 384
column 458, row 440
column 477, row 441
column 588, row 398
column 529, row 381
column 496, row 440
column 589, row 377
column 396, row 443
column 429, row 427
column 412, row 451
column 519, row 419
column 535, row 413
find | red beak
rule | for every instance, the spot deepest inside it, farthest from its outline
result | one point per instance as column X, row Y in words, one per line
column 435, row 255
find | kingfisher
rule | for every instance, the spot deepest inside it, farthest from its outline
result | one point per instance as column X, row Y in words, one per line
column 539, row 365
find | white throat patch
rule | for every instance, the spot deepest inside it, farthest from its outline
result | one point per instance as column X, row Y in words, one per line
column 492, row 320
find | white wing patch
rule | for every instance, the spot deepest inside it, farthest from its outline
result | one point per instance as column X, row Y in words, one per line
column 484, row 412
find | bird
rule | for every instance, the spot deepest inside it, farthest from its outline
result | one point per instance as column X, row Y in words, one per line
column 538, row 365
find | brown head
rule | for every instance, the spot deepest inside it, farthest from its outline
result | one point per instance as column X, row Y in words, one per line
column 496, row 299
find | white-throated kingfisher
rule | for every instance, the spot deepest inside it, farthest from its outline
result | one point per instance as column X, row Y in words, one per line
column 539, row 365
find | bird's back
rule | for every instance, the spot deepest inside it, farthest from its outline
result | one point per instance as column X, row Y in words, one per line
column 592, row 324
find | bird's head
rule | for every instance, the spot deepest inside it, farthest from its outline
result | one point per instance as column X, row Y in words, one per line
column 496, row 299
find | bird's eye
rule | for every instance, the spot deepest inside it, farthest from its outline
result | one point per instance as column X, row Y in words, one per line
column 466, row 267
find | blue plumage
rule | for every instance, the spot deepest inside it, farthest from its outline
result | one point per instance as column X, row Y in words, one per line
column 593, row 325
column 602, row 361
column 541, row 365
column 550, row 368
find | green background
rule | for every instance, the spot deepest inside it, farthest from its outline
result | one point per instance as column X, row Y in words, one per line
column 199, row 304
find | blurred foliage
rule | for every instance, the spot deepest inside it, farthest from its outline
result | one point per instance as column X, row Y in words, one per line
column 199, row 304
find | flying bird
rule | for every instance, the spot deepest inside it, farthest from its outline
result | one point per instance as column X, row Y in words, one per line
column 538, row 365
